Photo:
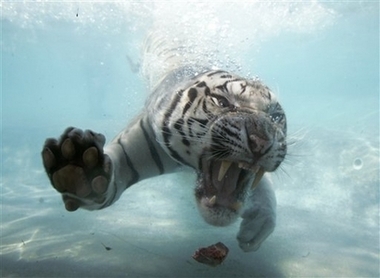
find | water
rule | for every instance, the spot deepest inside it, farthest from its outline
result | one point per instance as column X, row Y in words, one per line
column 73, row 63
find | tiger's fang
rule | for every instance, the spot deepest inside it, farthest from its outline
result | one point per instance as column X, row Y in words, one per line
column 224, row 166
column 258, row 177
column 212, row 201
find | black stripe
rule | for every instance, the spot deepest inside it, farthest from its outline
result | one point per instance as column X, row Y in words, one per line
column 196, row 108
column 179, row 126
column 232, row 125
column 265, row 95
column 207, row 91
column 215, row 72
column 135, row 174
column 201, row 134
column 166, row 133
column 226, row 76
column 229, row 135
column 202, row 122
column 204, row 108
column 243, row 87
column 223, row 87
column 202, row 84
column 268, row 150
column 190, row 122
column 153, row 152
column 192, row 94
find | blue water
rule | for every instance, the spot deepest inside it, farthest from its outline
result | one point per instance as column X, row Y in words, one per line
column 67, row 64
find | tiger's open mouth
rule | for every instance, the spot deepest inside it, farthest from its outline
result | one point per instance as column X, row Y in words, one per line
column 222, row 187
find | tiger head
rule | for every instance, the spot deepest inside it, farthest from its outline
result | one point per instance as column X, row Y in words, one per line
column 231, row 130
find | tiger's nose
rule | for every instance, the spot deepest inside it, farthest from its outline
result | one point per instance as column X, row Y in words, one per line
column 259, row 143
column 260, row 134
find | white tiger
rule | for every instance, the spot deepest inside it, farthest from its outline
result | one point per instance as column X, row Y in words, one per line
column 229, row 129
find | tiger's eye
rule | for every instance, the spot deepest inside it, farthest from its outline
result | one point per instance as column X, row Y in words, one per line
column 223, row 102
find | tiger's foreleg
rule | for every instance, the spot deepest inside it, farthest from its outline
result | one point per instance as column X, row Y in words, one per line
column 259, row 217
column 91, row 177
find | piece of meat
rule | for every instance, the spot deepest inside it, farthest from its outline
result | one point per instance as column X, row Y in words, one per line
column 212, row 255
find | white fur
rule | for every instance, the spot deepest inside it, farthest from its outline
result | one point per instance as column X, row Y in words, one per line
column 259, row 217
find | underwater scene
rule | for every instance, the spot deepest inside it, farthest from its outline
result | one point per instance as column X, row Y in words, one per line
column 84, row 64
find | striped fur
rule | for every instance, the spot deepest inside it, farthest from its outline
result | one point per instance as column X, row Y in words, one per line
column 229, row 129
column 189, row 121
column 200, row 121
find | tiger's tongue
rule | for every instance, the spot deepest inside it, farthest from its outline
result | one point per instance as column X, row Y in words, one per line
column 225, row 184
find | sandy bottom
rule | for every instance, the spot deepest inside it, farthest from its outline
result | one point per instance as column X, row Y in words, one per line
column 328, row 219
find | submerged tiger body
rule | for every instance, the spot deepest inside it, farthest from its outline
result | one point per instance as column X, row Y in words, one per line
column 229, row 129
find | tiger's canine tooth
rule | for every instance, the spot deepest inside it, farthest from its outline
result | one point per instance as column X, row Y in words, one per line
column 212, row 200
column 223, row 169
column 258, row 176
column 236, row 206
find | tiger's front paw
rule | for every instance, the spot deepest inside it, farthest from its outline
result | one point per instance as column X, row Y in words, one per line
column 78, row 168
column 259, row 217
column 258, row 223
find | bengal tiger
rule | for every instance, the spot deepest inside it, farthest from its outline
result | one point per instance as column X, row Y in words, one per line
column 230, row 129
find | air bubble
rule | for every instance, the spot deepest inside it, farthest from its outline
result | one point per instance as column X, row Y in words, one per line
column 357, row 164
